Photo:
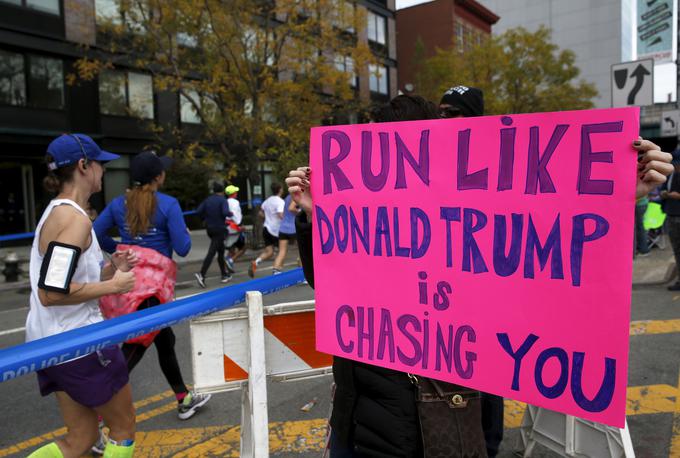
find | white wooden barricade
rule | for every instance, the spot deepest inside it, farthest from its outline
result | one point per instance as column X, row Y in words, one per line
column 571, row 436
column 254, row 415
column 239, row 348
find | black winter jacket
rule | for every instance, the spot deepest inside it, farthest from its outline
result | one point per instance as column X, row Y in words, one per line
column 374, row 409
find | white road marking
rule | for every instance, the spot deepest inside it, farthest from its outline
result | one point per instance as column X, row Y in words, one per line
column 12, row 331
column 13, row 310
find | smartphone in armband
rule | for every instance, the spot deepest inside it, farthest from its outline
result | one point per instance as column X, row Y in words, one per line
column 58, row 266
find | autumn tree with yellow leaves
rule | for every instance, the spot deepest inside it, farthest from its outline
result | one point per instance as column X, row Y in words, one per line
column 257, row 73
column 519, row 72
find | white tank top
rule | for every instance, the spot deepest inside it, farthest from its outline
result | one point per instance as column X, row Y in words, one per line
column 45, row 321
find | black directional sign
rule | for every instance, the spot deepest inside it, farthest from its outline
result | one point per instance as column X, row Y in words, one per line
column 669, row 123
column 633, row 83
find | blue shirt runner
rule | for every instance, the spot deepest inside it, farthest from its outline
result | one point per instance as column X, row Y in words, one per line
column 167, row 233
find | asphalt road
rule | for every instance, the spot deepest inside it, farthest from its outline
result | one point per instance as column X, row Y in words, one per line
column 654, row 399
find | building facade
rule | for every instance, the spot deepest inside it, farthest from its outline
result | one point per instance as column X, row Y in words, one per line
column 421, row 29
column 40, row 42
column 599, row 32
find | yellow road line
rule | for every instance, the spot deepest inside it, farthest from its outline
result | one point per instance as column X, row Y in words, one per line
column 35, row 441
column 654, row 327
column 172, row 405
column 170, row 441
column 225, row 445
column 675, row 438
column 513, row 413
column 32, row 442
column 297, row 436
column 310, row 435
column 284, row 437
column 640, row 400
column 152, row 399
column 651, row 399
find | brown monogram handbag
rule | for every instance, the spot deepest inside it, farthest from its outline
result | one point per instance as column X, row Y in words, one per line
column 450, row 419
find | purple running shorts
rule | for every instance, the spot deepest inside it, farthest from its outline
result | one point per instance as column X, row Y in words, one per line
column 91, row 380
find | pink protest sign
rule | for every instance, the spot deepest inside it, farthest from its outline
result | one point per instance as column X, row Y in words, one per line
column 491, row 252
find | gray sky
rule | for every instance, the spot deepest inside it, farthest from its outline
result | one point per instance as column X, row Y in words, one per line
column 406, row 3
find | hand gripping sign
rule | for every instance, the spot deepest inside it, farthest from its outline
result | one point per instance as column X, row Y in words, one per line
column 491, row 252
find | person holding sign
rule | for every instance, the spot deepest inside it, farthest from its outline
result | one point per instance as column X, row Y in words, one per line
column 671, row 206
column 68, row 276
column 371, row 400
column 465, row 102
column 374, row 408
column 461, row 102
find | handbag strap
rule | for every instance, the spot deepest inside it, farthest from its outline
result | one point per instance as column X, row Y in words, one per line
column 456, row 397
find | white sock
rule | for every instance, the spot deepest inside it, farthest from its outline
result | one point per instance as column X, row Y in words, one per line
column 258, row 261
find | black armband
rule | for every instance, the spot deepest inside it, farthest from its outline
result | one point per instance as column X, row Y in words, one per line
column 58, row 267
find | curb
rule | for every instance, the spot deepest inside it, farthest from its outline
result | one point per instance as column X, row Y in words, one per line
column 26, row 284
column 668, row 276
column 6, row 287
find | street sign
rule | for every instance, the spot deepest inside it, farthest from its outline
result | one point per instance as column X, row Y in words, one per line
column 633, row 83
column 655, row 29
column 669, row 123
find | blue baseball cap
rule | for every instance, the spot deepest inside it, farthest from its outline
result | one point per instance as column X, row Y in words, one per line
column 70, row 148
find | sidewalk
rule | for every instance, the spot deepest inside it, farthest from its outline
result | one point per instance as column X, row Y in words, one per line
column 655, row 269
column 199, row 247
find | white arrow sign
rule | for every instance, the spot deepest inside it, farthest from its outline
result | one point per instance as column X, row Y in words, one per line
column 669, row 123
column 633, row 83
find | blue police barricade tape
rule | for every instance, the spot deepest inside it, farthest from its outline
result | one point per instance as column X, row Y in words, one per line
column 30, row 235
column 39, row 354
column 9, row 237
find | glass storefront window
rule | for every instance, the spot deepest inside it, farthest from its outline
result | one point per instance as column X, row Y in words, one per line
column 12, row 79
column 376, row 28
column 46, row 6
column 46, row 82
column 107, row 11
column 112, row 94
column 140, row 87
column 377, row 81
column 346, row 64
column 187, row 110
column 126, row 94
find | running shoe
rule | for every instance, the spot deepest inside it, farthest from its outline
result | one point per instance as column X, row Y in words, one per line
column 226, row 278
column 252, row 269
column 190, row 404
column 200, row 279
column 276, row 271
column 230, row 264
column 100, row 445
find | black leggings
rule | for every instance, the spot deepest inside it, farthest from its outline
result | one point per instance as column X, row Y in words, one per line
column 165, row 347
column 216, row 247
